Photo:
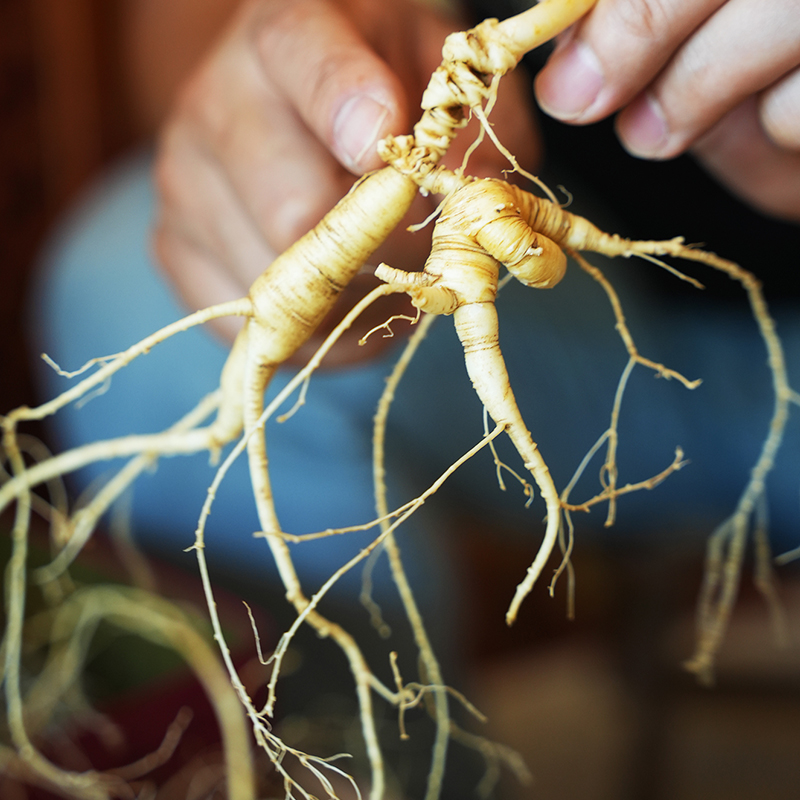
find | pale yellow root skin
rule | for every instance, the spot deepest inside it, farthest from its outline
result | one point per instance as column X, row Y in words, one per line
column 484, row 222
column 491, row 223
column 476, row 325
column 479, row 225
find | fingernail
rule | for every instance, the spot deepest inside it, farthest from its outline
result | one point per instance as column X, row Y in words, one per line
column 356, row 129
column 643, row 128
column 571, row 81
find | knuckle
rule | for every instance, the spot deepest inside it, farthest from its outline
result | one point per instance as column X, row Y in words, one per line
column 779, row 112
column 645, row 19
column 326, row 77
column 169, row 175
column 207, row 119
column 306, row 48
column 165, row 174
column 198, row 103
column 276, row 23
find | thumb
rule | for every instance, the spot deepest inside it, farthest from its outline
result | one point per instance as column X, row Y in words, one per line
column 319, row 62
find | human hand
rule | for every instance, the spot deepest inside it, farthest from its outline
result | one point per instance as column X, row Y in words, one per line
column 272, row 128
column 720, row 78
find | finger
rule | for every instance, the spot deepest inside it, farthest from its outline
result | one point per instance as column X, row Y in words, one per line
column 738, row 51
column 197, row 205
column 199, row 278
column 278, row 174
column 742, row 157
column 283, row 176
column 346, row 95
column 616, row 50
column 779, row 109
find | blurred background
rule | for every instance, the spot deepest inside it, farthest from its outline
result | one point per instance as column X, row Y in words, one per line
column 600, row 707
column 64, row 113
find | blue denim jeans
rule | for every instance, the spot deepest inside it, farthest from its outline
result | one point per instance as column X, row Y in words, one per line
column 99, row 291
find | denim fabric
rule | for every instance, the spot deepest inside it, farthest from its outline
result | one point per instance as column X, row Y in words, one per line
column 99, row 292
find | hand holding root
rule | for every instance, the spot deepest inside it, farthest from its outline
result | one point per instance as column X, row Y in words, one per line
column 720, row 79
column 483, row 224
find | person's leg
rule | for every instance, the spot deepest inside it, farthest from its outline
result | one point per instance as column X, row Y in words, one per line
column 101, row 293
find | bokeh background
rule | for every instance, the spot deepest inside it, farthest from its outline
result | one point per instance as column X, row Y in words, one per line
column 64, row 113
column 599, row 707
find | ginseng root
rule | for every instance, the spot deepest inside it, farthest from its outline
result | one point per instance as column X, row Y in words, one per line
column 283, row 309
column 483, row 224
